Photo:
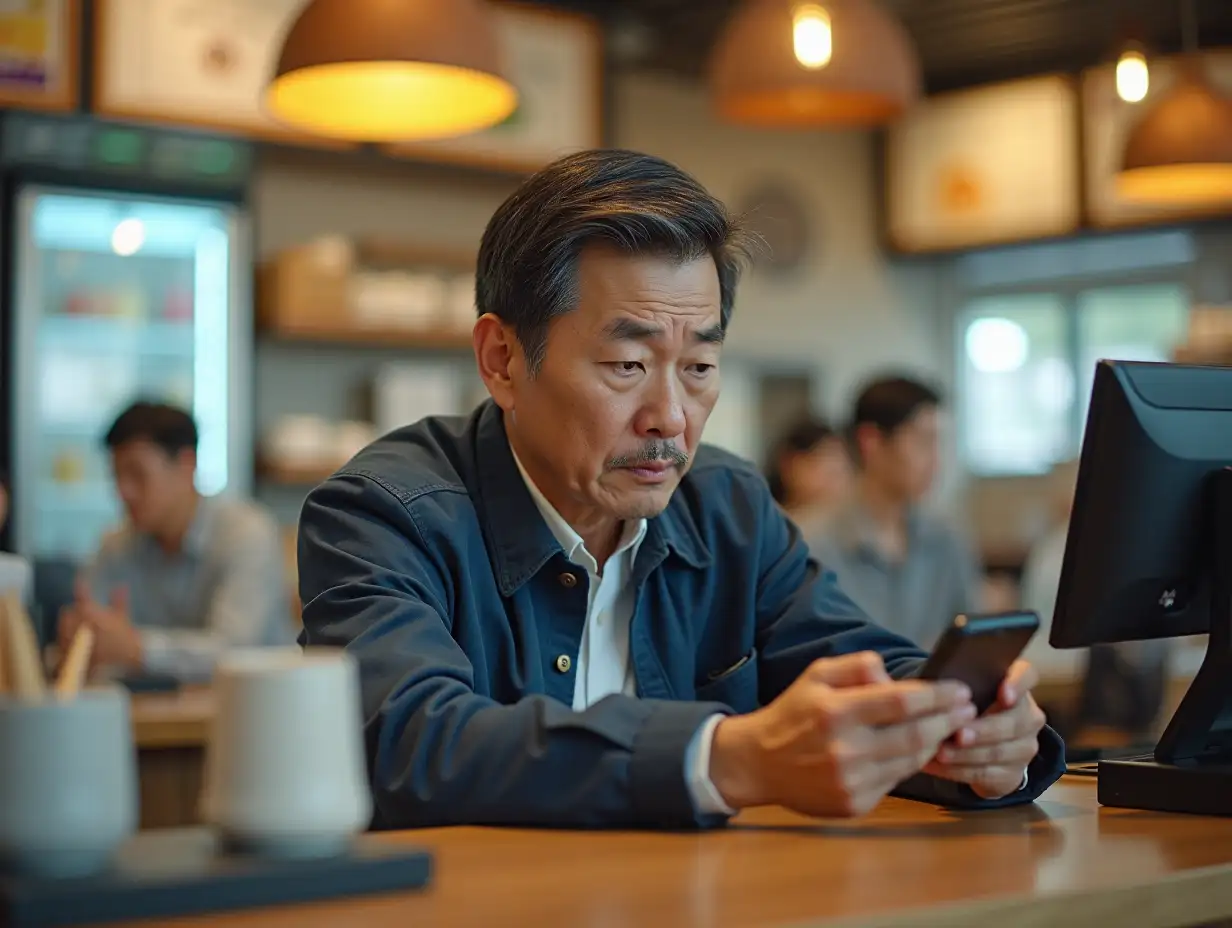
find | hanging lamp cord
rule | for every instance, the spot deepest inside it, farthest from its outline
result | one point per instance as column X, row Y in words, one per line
column 1189, row 26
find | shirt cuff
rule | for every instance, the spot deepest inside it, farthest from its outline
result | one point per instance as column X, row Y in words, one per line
column 706, row 799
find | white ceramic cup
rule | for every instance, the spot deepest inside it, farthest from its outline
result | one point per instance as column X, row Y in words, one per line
column 68, row 782
column 285, row 769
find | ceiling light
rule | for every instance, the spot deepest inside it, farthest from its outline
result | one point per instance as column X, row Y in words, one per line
column 391, row 70
column 835, row 63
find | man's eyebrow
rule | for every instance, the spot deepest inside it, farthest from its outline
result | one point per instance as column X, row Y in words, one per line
column 633, row 330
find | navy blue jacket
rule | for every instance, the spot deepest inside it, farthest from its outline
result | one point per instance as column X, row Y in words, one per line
column 426, row 557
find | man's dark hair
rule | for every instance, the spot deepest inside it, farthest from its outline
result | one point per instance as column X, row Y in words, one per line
column 640, row 204
column 888, row 402
column 801, row 438
column 169, row 427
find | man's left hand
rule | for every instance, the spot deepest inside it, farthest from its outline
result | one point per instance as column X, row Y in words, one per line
column 116, row 641
column 991, row 754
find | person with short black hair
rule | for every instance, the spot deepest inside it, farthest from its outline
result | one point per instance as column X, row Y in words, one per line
column 187, row 575
column 910, row 570
column 809, row 473
column 568, row 611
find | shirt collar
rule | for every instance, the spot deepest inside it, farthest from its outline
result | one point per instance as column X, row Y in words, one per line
column 631, row 535
column 515, row 530
column 195, row 537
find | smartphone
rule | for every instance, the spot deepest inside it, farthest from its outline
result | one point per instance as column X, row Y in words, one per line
column 979, row 650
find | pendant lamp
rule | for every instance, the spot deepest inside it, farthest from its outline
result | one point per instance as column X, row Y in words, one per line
column 840, row 63
column 391, row 70
column 1180, row 151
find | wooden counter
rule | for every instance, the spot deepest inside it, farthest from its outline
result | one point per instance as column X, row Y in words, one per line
column 180, row 719
column 1062, row 861
column 170, row 731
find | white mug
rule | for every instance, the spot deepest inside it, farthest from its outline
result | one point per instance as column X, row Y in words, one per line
column 285, row 770
column 68, row 782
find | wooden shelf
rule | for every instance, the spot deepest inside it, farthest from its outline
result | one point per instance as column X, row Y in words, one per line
column 370, row 337
column 292, row 475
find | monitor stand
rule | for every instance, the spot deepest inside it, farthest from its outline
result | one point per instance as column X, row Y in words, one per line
column 1192, row 768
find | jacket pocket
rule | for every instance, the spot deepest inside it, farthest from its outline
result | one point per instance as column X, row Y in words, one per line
column 734, row 686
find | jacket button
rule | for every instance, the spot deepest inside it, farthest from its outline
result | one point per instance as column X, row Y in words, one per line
column 568, row 580
column 563, row 663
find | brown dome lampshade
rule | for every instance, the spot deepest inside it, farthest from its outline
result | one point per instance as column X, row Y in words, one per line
column 391, row 70
column 1180, row 151
column 841, row 63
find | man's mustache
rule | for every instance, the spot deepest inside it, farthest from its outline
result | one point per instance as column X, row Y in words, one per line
column 657, row 450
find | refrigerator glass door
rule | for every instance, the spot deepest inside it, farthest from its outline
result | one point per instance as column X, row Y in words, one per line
column 117, row 299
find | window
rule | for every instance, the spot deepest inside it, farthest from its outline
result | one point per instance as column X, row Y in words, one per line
column 1028, row 345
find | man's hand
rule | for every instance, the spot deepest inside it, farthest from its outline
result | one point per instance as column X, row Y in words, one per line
column 992, row 753
column 837, row 740
column 116, row 641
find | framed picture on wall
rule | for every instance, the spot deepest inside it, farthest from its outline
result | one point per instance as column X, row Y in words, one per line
column 193, row 62
column 555, row 59
column 986, row 166
column 1106, row 123
column 40, row 45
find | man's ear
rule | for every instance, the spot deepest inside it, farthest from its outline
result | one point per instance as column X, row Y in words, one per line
column 186, row 459
column 499, row 356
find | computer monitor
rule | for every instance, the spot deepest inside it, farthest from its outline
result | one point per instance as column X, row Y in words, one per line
column 1149, row 555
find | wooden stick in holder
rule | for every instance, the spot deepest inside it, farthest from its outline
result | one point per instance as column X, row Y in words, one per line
column 76, row 663
column 24, row 666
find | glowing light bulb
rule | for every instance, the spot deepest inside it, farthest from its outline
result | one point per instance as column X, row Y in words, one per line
column 128, row 237
column 811, row 36
column 1133, row 77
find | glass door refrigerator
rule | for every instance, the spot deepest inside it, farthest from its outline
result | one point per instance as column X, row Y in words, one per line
column 117, row 297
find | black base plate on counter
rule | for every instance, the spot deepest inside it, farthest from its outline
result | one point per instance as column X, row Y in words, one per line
column 179, row 872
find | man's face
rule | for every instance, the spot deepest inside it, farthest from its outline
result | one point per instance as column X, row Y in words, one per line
column 906, row 460
column 609, row 423
column 151, row 484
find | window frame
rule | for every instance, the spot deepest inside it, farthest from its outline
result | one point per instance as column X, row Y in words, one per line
column 1067, row 291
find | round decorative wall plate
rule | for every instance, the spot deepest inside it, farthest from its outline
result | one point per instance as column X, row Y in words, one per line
column 777, row 214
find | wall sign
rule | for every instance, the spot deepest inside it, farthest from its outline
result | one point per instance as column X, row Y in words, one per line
column 40, row 45
column 193, row 62
column 556, row 63
column 990, row 165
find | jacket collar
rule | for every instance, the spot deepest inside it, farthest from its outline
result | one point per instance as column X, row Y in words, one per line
column 519, row 540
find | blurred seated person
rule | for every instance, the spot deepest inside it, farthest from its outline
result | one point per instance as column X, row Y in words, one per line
column 908, row 569
column 809, row 473
column 1123, row 684
column 567, row 611
column 187, row 575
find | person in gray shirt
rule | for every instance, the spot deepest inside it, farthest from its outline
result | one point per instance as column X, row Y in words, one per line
column 908, row 569
column 187, row 576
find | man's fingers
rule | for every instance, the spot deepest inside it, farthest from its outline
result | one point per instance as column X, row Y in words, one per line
column 1018, row 753
column 921, row 735
column 900, row 701
column 1024, row 719
column 1021, row 679
column 991, row 782
column 864, row 668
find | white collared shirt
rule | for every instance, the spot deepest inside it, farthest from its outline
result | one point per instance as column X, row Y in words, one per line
column 602, row 667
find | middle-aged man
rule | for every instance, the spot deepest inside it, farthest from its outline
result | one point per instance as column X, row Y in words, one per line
column 567, row 611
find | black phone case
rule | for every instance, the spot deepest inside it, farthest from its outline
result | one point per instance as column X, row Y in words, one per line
column 979, row 651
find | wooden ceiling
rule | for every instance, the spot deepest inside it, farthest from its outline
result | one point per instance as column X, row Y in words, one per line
column 961, row 42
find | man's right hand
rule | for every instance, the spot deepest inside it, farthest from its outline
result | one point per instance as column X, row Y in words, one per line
column 837, row 740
